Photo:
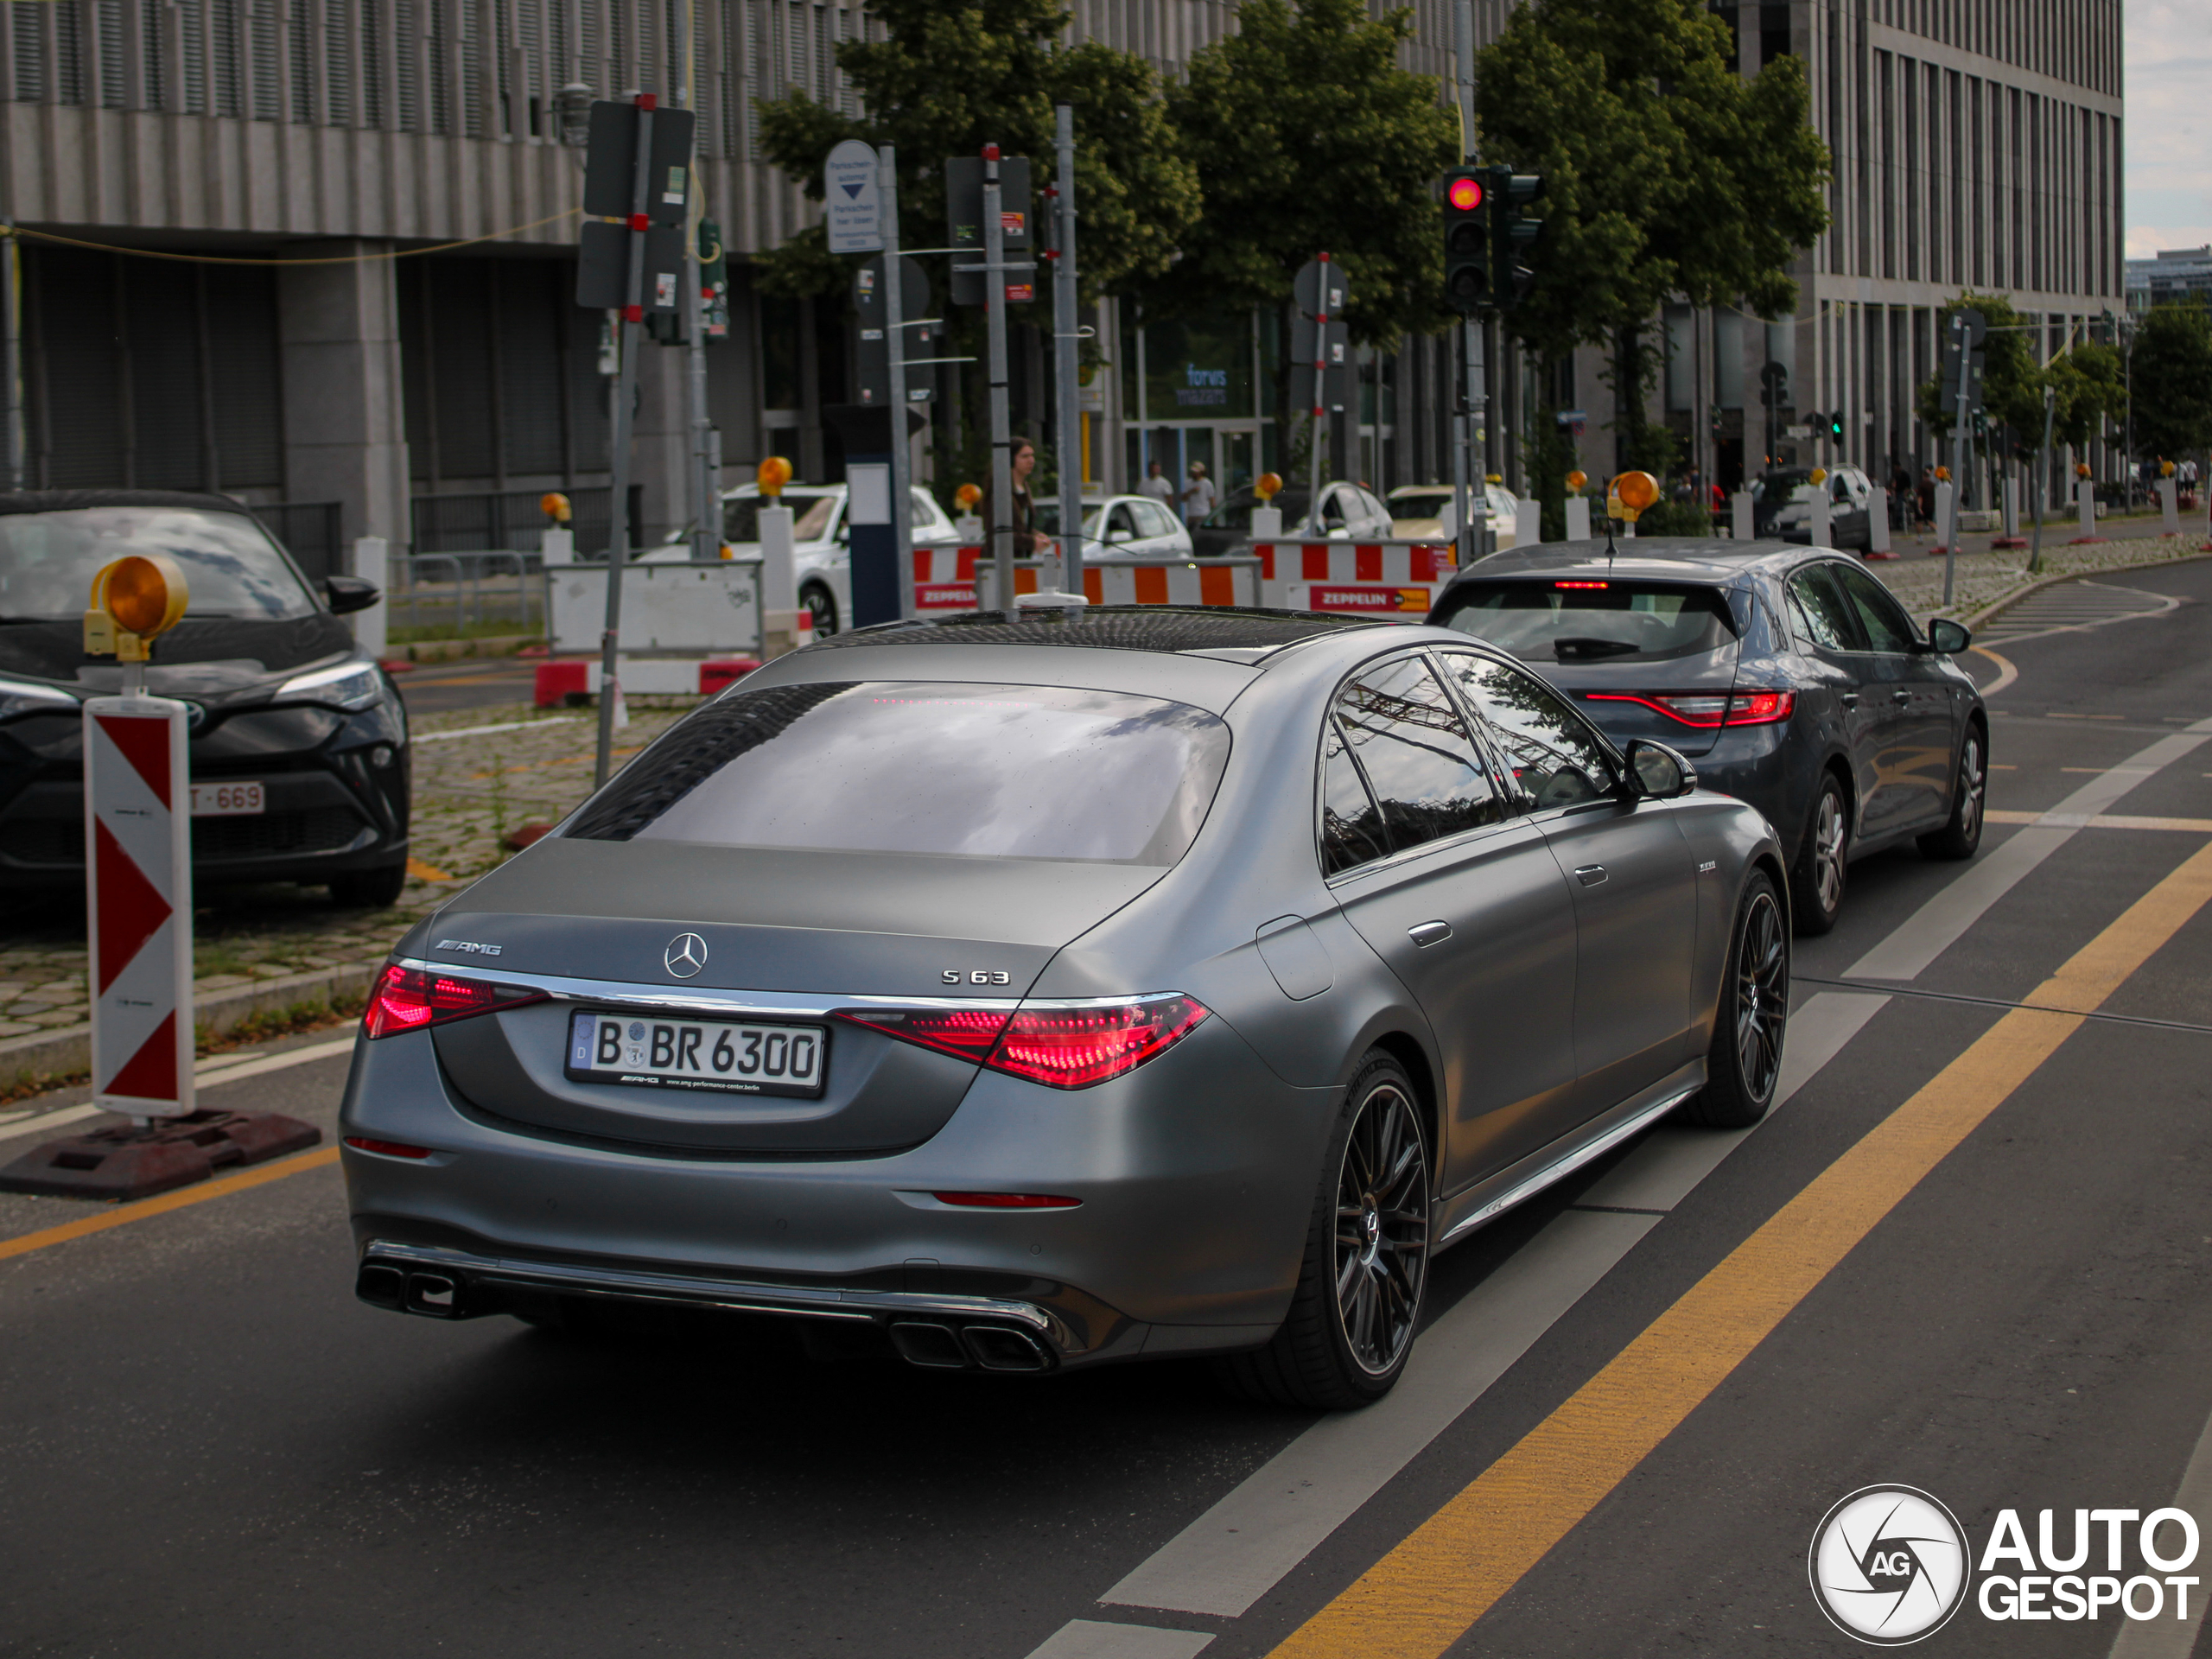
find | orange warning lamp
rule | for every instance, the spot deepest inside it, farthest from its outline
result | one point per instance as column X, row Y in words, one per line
column 2166, row 469
column 773, row 475
column 133, row 600
column 2081, row 469
column 966, row 497
column 1268, row 486
column 1820, row 475
column 1633, row 494
column 1576, row 480
column 555, row 505
column 1942, row 474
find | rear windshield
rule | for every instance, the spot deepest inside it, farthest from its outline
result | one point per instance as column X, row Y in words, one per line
column 925, row 766
column 231, row 567
column 1589, row 621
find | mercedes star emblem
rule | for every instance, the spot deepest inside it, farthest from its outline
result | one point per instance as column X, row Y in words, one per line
column 687, row 955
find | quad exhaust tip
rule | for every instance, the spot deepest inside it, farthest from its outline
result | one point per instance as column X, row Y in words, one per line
column 990, row 1347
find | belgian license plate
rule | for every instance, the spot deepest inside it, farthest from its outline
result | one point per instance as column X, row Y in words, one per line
column 716, row 1055
column 228, row 800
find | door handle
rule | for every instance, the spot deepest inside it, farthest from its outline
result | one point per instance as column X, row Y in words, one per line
column 1591, row 876
column 1430, row 933
column 1848, row 699
column 1900, row 697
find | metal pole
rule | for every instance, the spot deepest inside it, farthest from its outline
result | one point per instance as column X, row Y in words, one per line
column 625, row 392
column 1144, row 411
column 894, row 336
column 1065, row 333
column 2042, row 477
column 1001, row 529
column 1320, row 399
column 1958, row 454
column 11, row 304
column 1463, row 470
column 705, row 497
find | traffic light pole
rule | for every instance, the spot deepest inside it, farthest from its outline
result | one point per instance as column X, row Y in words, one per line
column 1065, row 334
column 1315, row 431
column 1963, row 395
column 626, row 395
column 894, row 338
column 1001, row 526
column 1463, row 470
column 706, row 504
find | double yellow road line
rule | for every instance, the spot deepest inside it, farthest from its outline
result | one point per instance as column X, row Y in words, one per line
column 1425, row 1594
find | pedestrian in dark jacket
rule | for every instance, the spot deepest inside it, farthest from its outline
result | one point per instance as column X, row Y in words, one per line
column 1028, row 540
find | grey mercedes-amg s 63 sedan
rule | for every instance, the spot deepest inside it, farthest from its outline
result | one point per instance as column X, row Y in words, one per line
column 1027, row 993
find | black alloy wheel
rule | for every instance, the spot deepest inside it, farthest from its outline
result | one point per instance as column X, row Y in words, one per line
column 1358, row 1306
column 1744, row 1064
column 823, row 603
column 1823, row 866
column 1961, row 836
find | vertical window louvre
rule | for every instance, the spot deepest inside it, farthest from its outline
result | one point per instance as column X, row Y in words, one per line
column 372, row 63
column 471, row 73
column 154, row 59
column 69, row 53
column 28, row 24
column 107, row 16
column 337, row 65
column 503, row 90
column 193, row 27
column 302, row 56
column 407, row 63
column 754, row 45
column 262, row 21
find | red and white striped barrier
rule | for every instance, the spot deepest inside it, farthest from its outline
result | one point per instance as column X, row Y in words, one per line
column 944, row 581
column 1359, row 578
column 138, row 861
column 948, row 581
column 649, row 676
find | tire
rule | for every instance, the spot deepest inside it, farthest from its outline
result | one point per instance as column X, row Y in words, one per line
column 376, row 889
column 1817, row 879
column 1743, row 1065
column 1340, row 1348
column 824, row 604
column 1961, row 836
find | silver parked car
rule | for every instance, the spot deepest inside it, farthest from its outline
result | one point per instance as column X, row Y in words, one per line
column 1019, row 995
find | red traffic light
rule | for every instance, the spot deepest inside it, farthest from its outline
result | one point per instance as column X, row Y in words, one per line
column 1465, row 194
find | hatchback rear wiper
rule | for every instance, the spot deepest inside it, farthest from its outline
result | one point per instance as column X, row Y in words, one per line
column 1565, row 648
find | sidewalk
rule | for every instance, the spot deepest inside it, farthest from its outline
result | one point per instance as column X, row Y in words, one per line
column 279, row 957
column 1986, row 579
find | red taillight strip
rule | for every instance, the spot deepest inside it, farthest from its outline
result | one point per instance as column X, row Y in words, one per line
column 387, row 1148
column 1063, row 1045
column 1007, row 1200
column 1741, row 709
column 414, row 999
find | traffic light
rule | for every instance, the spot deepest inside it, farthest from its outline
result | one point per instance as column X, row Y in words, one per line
column 1835, row 426
column 1466, row 239
column 1513, row 234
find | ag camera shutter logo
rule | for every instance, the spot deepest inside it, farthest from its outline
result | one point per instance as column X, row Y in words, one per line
column 1887, row 1566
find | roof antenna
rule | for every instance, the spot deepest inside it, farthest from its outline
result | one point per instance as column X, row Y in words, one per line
column 1610, row 549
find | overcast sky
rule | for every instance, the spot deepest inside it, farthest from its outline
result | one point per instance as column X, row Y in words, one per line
column 2169, row 166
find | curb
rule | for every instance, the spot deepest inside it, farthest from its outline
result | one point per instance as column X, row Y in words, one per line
column 68, row 1051
column 456, row 651
column 1997, row 607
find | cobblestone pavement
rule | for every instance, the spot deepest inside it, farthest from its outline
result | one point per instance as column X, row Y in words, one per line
column 1985, row 578
column 472, row 790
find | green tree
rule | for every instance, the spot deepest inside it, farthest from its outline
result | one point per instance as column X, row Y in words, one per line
column 952, row 75
column 2086, row 381
column 2171, row 369
column 1666, row 174
column 1309, row 138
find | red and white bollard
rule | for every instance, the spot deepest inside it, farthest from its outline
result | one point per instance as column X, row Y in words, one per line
column 138, row 916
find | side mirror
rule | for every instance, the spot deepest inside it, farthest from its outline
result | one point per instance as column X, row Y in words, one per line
column 1658, row 771
column 1948, row 636
column 349, row 594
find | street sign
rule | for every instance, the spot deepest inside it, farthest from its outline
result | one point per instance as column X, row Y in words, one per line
column 611, row 163
column 1335, row 351
column 853, row 201
column 874, row 346
column 963, row 225
column 603, row 267
column 1312, row 301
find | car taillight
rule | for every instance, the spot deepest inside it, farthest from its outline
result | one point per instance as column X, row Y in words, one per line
column 1066, row 1046
column 386, row 1148
column 409, row 999
column 1007, row 1200
column 1709, row 710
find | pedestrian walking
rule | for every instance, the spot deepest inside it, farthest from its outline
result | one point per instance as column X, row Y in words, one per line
column 1157, row 485
column 1923, row 500
column 1199, row 495
column 1028, row 540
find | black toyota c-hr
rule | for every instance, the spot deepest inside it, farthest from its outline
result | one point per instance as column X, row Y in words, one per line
column 305, row 728
column 1789, row 676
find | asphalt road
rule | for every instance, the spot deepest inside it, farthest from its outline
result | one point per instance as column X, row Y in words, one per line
column 1968, row 1254
column 436, row 688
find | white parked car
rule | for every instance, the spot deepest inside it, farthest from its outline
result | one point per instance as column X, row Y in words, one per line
column 821, row 547
column 1418, row 513
column 1123, row 527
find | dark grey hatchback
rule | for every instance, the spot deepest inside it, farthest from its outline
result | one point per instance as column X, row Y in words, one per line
column 1789, row 674
column 299, row 750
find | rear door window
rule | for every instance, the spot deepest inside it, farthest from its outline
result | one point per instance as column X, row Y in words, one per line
column 1590, row 619
column 1352, row 831
column 969, row 770
column 1414, row 748
column 1556, row 758
column 1819, row 616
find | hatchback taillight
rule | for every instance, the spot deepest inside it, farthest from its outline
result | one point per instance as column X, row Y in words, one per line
column 1708, row 710
column 409, row 999
column 1063, row 1044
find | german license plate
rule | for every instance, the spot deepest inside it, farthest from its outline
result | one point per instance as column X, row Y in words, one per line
column 228, row 800
column 717, row 1055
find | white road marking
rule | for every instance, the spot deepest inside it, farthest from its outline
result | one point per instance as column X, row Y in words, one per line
column 1236, row 1552
column 504, row 726
column 221, row 1068
column 2169, row 1637
column 1089, row 1638
column 1939, row 924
